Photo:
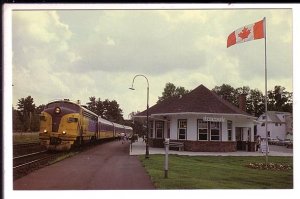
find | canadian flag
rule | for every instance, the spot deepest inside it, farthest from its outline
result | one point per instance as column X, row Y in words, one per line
column 247, row 33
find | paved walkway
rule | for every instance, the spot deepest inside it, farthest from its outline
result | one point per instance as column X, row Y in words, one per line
column 107, row 166
column 139, row 148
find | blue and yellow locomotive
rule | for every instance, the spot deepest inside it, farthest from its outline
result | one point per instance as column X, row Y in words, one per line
column 65, row 124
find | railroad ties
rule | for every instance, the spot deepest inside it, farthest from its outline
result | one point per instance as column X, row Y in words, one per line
column 29, row 157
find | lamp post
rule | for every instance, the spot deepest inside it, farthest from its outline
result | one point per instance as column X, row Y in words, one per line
column 147, row 134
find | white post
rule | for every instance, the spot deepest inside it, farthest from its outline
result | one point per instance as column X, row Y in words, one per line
column 167, row 141
column 266, row 87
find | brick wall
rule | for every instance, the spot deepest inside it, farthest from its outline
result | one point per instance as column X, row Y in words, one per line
column 204, row 146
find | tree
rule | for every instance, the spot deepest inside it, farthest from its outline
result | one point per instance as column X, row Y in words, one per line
column 106, row 109
column 256, row 101
column 139, row 126
column 132, row 114
column 288, row 107
column 91, row 105
column 99, row 107
column 171, row 90
column 40, row 109
column 112, row 111
column 227, row 92
column 17, row 123
column 280, row 100
column 26, row 109
column 244, row 90
column 35, row 122
column 26, row 105
column 96, row 106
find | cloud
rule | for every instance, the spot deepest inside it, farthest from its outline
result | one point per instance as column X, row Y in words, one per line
column 39, row 35
column 40, row 53
column 82, row 53
column 147, row 45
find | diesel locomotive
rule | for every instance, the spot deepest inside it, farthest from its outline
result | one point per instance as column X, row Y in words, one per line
column 64, row 124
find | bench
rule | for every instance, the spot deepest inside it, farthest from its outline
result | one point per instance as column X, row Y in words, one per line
column 179, row 145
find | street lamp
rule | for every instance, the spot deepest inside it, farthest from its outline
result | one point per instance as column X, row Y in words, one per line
column 147, row 137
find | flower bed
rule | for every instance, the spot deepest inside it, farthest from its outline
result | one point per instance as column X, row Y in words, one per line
column 270, row 166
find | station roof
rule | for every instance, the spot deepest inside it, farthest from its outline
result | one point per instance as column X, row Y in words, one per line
column 199, row 100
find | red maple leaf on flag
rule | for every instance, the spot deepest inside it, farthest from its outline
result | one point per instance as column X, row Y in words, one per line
column 245, row 33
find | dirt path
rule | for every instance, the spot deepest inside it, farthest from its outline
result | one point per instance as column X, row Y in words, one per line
column 105, row 167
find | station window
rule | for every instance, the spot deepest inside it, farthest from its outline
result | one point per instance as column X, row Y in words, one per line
column 202, row 130
column 182, row 128
column 159, row 128
column 215, row 131
column 229, row 129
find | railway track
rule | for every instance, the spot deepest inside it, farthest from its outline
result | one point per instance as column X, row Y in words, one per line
column 24, row 164
column 28, row 144
column 32, row 156
column 26, row 148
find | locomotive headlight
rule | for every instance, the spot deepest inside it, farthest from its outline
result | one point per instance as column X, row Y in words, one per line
column 57, row 110
column 64, row 132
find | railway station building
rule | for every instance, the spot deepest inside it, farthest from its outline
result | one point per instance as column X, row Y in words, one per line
column 202, row 121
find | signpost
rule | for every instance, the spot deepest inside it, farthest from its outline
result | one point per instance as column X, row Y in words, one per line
column 167, row 142
column 264, row 147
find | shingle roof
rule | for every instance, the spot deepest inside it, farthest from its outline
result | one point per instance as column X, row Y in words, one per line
column 273, row 116
column 199, row 100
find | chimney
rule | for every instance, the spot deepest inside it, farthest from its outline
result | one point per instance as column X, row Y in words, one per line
column 242, row 102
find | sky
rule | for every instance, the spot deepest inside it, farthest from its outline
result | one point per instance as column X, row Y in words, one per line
column 76, row 54
column 51, row 52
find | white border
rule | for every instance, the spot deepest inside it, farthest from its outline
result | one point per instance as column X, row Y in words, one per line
column 7, row 102
column 150, row 6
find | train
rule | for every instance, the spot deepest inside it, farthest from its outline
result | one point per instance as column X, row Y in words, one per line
column 65, row 124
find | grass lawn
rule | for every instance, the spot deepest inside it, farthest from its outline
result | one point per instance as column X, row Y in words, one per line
column 217, row 172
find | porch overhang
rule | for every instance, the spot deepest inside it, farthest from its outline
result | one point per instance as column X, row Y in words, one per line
column 166, row 116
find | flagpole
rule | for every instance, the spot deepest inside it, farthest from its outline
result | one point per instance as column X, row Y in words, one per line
column 242, row 35
column 266, row 92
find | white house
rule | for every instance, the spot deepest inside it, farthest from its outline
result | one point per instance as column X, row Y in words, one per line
column 280, row 125
column 202, row 121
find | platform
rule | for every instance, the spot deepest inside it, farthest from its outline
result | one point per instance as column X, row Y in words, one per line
column 139, row 148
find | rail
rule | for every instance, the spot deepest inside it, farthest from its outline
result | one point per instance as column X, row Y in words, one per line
column 24, row 164
column 30, row 158
column 31, row 154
